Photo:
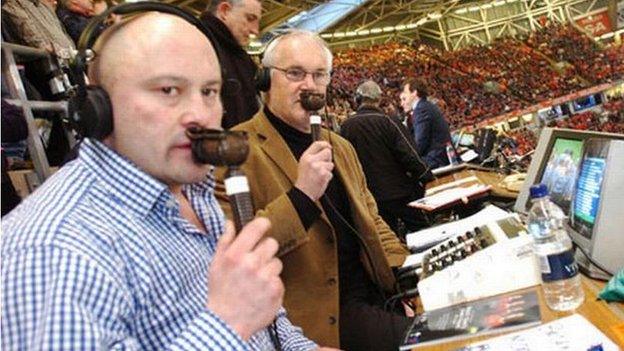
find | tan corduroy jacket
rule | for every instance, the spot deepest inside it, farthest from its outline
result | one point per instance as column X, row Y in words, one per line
column 310, row 257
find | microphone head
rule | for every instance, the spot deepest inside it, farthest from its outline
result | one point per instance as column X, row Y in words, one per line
column 218, row 147
column 312, row 101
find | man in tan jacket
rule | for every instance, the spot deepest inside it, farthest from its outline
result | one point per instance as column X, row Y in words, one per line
column 336, row 249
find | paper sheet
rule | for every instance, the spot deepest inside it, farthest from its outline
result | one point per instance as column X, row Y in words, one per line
column 569, row 333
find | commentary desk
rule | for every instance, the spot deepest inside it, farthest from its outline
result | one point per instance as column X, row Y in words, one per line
column 601, row 314
column 443, row 185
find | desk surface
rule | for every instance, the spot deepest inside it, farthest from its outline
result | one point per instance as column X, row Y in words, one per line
column 489, row 178
column 599, row 313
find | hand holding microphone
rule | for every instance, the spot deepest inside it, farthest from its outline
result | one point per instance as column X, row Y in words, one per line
column 245, row 268
column 312, row 102
column 314, row 170
column 315, row 165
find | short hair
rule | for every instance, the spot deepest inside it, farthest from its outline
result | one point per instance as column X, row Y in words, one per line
column 268, row 60
column 369, row 91
column 419, row 86
column 212, row 4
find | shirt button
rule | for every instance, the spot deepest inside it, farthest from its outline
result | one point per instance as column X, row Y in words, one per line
column 170, row 203
column 331, row 281
column 332, row 320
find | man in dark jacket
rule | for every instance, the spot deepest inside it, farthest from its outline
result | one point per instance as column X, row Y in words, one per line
column 431, row 131
column 233, row 21
column 394, row 170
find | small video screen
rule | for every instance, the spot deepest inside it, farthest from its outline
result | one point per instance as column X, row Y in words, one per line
column 560, row 172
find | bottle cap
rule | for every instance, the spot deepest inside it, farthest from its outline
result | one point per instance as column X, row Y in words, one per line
column 538, row 190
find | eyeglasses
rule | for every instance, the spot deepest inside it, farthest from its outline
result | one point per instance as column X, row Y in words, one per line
column 298, row 75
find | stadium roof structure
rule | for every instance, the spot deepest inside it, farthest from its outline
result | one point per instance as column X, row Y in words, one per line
column 448, row 24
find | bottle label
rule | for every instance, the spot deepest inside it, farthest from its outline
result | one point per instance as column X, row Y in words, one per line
column 558, row 266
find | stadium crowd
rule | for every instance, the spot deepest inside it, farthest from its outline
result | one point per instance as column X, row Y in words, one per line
column 563, row 43
column 478, row 82
column 469, row 85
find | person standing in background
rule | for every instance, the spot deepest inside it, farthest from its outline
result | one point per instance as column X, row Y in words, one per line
column 233, row 22
column 394, row 171
column 430, row 129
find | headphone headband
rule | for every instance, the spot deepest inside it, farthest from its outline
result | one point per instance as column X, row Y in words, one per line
column 90, row 110
column 88, row 36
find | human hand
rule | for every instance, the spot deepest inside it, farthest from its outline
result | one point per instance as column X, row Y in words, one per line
column 245, row 288
column 314, row 170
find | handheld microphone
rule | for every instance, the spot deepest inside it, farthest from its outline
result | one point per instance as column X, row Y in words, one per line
column 230, row 149
column 311, row 101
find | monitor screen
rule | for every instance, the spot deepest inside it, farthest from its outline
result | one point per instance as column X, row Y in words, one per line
column 514, row 123
column 467, row 140
column 588, row 187
column 559, row 175
column 584, row 102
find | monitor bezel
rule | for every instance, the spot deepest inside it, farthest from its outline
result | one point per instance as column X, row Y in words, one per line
column 545, row 143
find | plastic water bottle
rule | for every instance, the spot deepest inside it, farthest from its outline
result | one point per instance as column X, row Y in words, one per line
column 450, row 153
column 560, row 276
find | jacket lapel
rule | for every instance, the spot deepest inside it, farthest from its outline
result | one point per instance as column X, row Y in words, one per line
column 275, row 147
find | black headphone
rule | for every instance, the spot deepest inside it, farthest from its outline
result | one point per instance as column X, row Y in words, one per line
column 89, row 110
column 263, row 79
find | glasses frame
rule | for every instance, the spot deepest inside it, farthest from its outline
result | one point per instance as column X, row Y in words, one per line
column 315, row 75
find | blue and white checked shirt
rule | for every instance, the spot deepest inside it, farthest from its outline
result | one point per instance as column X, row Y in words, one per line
column 100, row 258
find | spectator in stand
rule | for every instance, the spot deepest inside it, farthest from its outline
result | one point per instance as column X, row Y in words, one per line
column 37, row 24
column 75, row 15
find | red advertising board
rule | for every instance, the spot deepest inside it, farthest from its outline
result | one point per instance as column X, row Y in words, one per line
column 597, row 23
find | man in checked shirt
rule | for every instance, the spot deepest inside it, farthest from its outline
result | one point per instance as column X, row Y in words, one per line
column 122, row 248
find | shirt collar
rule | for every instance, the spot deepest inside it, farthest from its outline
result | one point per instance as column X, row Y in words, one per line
column 366, row 109
column 415, row 103
column 130, row 185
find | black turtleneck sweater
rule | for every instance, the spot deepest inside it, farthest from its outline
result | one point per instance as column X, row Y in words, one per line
column 355, row 284
column 238, row 94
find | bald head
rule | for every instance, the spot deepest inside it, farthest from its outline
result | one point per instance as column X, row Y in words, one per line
column 162, row 77
column 123, row 48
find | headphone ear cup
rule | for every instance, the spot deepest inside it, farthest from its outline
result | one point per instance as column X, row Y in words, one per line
column 263, row 79
column 91, row 116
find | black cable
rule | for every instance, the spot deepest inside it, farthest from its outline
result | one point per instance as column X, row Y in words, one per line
column 591, row 261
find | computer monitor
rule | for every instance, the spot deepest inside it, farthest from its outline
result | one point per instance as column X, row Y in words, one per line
column 556, row 145
column 513, row 122
column 585, row 102
column 596, row 219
